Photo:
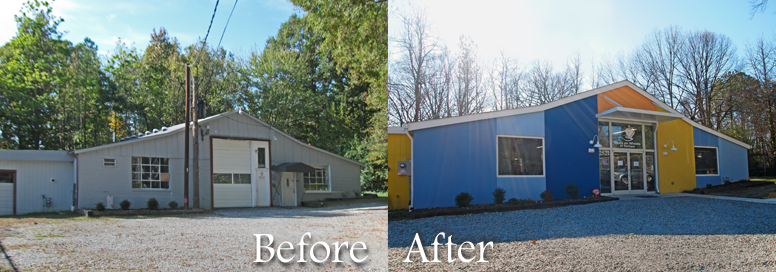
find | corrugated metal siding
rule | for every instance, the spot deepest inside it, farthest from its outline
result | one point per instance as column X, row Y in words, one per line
column 568, row 130
column 733, row 161
column 452, row 159
column 33, row 180
column 703, row 138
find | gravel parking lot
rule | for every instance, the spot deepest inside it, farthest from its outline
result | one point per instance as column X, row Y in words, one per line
column 222, row 240
column 648, row 234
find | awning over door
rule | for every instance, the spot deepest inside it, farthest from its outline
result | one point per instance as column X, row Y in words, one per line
column 297, row 167
column 638, row 115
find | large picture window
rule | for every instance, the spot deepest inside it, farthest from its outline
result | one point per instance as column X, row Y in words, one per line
column 318, row 181
column 706, row 161
column 150, row 173
column 519, row 156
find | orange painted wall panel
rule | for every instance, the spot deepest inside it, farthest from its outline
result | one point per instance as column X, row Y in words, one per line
column 627, row 97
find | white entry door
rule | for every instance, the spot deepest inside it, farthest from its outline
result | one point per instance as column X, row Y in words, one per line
column 289, row 189
column 232, row 181
column 261, row 173
column 7, row 183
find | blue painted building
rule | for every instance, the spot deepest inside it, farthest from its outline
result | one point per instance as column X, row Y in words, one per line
column 617, row 139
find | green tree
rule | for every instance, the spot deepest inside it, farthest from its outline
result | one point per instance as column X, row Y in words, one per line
column 356, row 34
column 30, row 78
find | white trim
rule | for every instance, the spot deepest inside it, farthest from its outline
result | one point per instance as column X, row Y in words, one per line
column 696, row 166
column 544, row 157
column 639, row 111
column 615, row 102
column 559, row 102
column 327, row 167
column 395, row 130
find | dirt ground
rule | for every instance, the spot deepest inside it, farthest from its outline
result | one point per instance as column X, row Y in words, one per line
column 748, row 189
column 221, row 240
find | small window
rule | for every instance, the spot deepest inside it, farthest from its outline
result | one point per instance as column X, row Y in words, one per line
column 262, row 158
column 230, row 178
column 6, row 177
column 706, row 161
column 109, row 162
column 520, row 156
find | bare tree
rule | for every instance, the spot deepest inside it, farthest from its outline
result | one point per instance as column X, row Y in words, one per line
column 543, row 84
column 469, row 94
column 658, row 59
column 440, row 82
column 704, row 58
column 505, row 78
column 757, row 6
column 761, row 63
column 408, row 75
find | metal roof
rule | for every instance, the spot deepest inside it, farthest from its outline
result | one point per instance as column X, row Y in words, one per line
column 35, row 155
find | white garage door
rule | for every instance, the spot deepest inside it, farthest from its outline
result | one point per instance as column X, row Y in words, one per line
column 6, row 192
column 231, row 173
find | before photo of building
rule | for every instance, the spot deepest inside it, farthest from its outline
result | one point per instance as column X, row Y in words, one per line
column 243, row 162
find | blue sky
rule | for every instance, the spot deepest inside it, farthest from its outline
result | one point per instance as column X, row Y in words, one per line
column 556, row 29
column 104, row 22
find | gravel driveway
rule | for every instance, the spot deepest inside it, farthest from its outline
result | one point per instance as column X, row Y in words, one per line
column 648, row 234
column 221, row 241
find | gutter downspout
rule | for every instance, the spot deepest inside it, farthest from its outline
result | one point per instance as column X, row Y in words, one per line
column 412, row 166
column 657, row 156
column 75, row 181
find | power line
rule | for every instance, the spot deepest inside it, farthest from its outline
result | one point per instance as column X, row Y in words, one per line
column 227, row 24
column 208, row 32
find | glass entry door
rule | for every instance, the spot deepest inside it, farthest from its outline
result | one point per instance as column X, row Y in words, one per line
column 628, row 172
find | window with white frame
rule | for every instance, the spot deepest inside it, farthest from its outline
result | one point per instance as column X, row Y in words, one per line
column 150, row 173
column 109, row 162
column 318, row 181
column 231, row 178
column 706, row 161
column 520, row 156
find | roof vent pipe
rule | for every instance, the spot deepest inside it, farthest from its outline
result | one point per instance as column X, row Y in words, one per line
column 140, row 135
column 147, row 133
column 155, row 131
column 164, row 128
column 134, row 136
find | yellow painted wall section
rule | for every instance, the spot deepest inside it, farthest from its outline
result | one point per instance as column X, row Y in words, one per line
column 676, row 171
column 627, row 97
column 399, row 149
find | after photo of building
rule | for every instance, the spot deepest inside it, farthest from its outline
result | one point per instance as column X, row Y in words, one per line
column 617, row 139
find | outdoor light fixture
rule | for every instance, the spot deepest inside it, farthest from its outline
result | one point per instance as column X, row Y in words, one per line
column 203, row 132
column 673, row 147
column 597, row 144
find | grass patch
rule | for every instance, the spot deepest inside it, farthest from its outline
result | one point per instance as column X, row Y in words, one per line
column 379, row 194
column 48, row 235
column 333, row 203
column 771, row 179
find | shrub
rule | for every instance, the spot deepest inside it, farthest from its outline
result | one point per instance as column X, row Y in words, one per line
column 152, row 204
column 727, row 181
column 708, row 185
column 173, row 204
column 125, row 204
column 572, row 190
column 463, row 199
column 498, row 195
column 546, row 196
column 512, row 201
column 99, row 206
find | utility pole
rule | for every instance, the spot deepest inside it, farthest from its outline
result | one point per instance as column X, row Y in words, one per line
column 186, row 149
column 196, row 143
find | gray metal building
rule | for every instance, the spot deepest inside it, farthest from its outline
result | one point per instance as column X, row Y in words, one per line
column 243, row 161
